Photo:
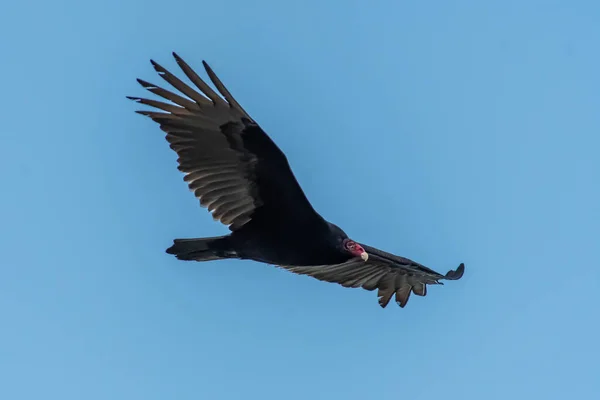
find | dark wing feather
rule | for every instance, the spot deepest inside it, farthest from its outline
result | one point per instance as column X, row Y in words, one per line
column 230, row 163
column 390, row 274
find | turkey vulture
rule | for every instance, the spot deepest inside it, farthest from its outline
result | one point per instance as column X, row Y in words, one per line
column 235, row 170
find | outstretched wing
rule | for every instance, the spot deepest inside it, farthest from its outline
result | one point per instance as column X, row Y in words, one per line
column 230, row 163
column 386, row 272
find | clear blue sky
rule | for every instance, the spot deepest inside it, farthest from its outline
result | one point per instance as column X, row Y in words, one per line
column 447, row 132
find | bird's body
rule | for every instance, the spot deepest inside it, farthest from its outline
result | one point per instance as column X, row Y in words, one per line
column 245, row 180
column 271, row 245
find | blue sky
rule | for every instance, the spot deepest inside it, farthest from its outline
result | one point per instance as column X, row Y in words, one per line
column 447, row 132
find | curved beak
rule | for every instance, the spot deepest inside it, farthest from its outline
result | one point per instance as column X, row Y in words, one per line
column 364, row 255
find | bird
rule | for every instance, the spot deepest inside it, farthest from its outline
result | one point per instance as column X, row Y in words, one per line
column 241, row 176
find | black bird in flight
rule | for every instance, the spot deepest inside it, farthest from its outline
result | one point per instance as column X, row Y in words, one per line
column 235, row 170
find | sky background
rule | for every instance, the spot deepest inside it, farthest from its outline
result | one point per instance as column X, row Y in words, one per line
column 444, row 131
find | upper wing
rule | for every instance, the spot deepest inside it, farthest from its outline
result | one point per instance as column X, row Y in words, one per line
column 230, row 163
column 386, row 272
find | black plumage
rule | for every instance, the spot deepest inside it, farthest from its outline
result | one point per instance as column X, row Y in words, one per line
column 242, row 177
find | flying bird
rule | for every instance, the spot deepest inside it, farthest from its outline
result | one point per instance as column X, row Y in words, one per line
column 236, row 170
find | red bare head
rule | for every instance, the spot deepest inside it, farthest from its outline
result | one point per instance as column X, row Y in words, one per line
column 355, row 249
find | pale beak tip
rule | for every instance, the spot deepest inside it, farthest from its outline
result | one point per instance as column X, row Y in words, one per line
column 364, row 255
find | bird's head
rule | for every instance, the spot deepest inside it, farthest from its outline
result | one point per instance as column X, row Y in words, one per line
column 355, row 249
column 346, row 245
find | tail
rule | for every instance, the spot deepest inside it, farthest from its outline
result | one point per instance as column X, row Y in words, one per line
column 204, row 249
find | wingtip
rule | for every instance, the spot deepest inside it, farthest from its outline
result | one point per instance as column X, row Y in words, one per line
column 457, row 273
column 177, row 58
column 144, row 83
column 158, row 68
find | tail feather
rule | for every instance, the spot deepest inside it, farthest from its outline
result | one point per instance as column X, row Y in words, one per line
column 202, row 249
